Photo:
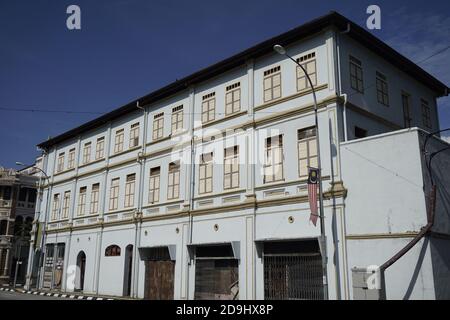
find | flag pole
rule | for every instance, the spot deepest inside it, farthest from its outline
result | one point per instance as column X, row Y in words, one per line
column 322, row 240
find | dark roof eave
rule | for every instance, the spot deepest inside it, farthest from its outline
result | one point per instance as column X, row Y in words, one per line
column 261, row 49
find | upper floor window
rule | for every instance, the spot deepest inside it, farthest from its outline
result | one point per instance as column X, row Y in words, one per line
column 206, row 173
column 208, row 107
column 129, row 190
column 406, row 104
column 158, row 126
column 87, row 153
column 272, row 84
column 60, row 166
column 134, row 135
column 309, row 63
column 112, row 251
column 82, row 201
column 95, row 198
column 66, row 205
column 100, row 148
column 155, row 177
column 114, row 194
column 382, row 89
column 426, row 113
column 32, row 195
column 56, row 207
column 233, row 98
column 6, row 192
column 356, row 74
column 3, row 229
column 23, row 194
column 173, row 191
column 273, row 165
column 231, row 168
column 118, row 143
column 71, row 159
column 177, row 119
column 307, row 151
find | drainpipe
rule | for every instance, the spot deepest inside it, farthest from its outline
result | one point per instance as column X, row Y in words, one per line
column 137, row 239
column 344, row 115
column 191, row 185
column 105, row 182
column 344, row 95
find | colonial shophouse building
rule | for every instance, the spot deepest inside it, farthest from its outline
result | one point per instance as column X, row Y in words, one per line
column 198, row 190
column 17, row 204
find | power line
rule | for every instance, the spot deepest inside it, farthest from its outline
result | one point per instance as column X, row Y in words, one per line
column 434, row 54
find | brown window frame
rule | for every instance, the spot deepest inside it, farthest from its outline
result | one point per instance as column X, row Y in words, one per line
column 206, row 161
column 382, row 89
column 306, row 61
column 158, row 126
column 356, row 74
column 119, row 140
column 82, row 197
column 177, row 119
column 231, row 167
column 173, row 188
column 95, row 197
column 154, row 188
column 307, row 136
column 269, row 153
column 134, row 135
column 233, row 98
column 100, row 148
column 426, row 113
column 269, row 76
column 130, row 186
column 209, row 107
column 406, row 106
column 114, row 193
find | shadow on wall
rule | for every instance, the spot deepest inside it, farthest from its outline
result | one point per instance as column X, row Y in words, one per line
column 440, row 240
column 417, row 269
column 440, row 258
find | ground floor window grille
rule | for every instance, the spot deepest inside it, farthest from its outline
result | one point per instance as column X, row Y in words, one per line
column 293, row 271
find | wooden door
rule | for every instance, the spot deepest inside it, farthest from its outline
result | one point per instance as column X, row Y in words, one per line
column 159, row 280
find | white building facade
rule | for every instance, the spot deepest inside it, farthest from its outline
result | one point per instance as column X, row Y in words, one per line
column 199, row 190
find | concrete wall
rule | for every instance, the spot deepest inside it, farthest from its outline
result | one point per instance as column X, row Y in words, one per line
column 380, row 220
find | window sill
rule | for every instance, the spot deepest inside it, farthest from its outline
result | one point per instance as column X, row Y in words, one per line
column 158, row 140
column 305, row 92
column 119, row 211
column 219, row 194
column 125, row 152
column 226, row 118
column 92, row 162
column 63, row 172
column 161, row 204
column 86, row 216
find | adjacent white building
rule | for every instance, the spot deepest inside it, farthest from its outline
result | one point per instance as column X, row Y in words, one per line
column 199, row 189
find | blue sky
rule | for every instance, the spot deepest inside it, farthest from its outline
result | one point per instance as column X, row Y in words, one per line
column 127, row 49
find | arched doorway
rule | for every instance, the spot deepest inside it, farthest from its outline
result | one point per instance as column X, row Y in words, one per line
column 81, row 267
column 128, row 267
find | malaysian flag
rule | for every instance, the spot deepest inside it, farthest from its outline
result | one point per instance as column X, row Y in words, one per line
column 313, row 180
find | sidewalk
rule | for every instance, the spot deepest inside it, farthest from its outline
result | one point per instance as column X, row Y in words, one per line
column 67, row 295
